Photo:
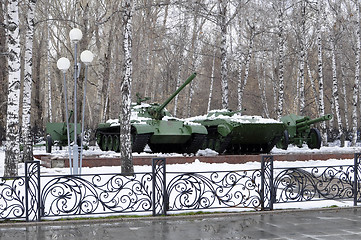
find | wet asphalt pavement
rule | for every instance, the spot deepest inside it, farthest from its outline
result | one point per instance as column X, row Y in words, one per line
column 344, row 223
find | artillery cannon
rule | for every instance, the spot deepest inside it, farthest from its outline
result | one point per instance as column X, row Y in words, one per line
column 299, row 131
column 152, row 124
column 56, row 133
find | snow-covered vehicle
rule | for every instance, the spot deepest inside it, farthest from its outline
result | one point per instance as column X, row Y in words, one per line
column 152, row 124
column 231, row 133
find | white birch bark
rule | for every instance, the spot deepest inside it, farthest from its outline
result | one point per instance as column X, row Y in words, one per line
column 212, row 83
column 313, row 86
column 242, row 84
column 344, row 97
column 281, row 62
column 222, row 7
column 182, row 54
column 125, row 128
column 12, row 151
column 320, row 69
column 357, row 76
column 261, row 78
column 302, row 59
column 335, row 94
column 27, row 88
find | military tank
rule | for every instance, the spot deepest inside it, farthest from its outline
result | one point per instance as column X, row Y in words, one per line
column 231, row 133
column 152, row 124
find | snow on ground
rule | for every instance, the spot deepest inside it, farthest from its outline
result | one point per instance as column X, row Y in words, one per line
column 198, row 166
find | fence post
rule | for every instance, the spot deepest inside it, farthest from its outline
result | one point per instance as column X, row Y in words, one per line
column 355, row 183
column 32, row 191
column 160, row 197
column 267, row 189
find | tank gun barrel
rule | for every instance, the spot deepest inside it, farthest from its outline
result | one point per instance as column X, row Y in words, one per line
column 190, row 78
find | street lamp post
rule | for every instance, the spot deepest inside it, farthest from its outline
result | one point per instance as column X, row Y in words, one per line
column 75, row 36
column 63, row 64
column 86, row 57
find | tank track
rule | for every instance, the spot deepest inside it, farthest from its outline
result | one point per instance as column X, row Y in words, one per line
column 139, row 141
column 194, row 144
column 191, row 146
column 216, row 142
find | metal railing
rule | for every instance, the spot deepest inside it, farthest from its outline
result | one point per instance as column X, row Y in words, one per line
column 34, row 197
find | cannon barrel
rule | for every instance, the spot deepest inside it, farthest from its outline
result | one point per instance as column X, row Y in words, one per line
column 166, row 102
column 303, row 124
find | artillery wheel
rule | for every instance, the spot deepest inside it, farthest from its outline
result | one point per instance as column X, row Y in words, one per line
column 49, row 143
column 284, row 141
column 314, row 139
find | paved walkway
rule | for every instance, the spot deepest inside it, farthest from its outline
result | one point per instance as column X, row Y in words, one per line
column 340, row 223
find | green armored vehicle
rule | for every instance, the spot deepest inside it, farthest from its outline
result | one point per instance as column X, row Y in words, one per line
column 56, row 134
column 152, row 124
column 231, row 133
column 299, row 131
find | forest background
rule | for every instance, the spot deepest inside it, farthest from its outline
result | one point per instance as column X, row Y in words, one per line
column 269, row 57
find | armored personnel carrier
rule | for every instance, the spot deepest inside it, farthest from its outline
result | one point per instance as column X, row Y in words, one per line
column 152, row 124
column 231, row 133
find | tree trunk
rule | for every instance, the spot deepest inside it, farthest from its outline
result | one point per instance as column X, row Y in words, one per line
column 224, row 57
column 3, row 72
column 242, row 85
column 320, row 70
column 302, row 59
column 211, row 84
column 344, row 97
column 27, row 89
column 335, row 94
column 12, row 151
column 125, row 139
column 261, row 77
column 280, row 63
column 357, row 76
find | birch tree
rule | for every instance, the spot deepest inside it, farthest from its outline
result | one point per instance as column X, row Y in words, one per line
column 3, row 70
column 12, row 150
column 335, row 95
column 125, row 128
column 27, row 88
column 321, row 108
column 222, row 8
column 357, row 75
column 302, row 53
column 281, row 57
column 242, row 84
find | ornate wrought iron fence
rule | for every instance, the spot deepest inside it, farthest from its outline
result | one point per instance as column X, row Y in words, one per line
column 33, row 197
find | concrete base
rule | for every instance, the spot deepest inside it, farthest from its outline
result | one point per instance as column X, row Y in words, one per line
column 96, row 161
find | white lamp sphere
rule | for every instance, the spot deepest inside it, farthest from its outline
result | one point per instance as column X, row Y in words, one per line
column 63, row 64
column 86, row 56
column 75, row 35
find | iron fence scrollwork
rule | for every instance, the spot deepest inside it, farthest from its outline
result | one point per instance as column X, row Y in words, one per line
column 267, row 187
column 356, row 184
column 160, row 197
column 33, row 208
